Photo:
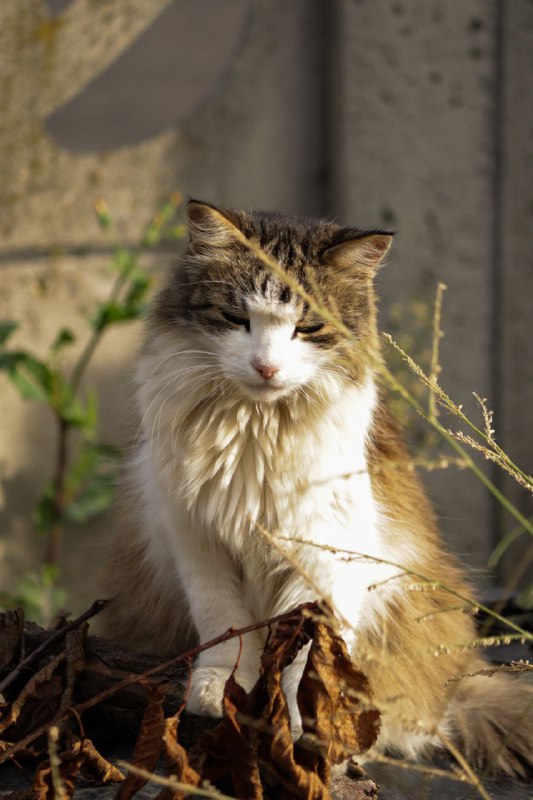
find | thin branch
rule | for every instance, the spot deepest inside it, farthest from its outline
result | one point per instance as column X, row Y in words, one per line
column 95, row 609
column 456, row 753
column 435, row 368
column 514, row 666
column 435, row 584
column 311, row 609
column 55, row 764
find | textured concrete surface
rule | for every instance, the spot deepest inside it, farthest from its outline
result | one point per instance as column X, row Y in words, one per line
column 413, row 90
column 512, row 337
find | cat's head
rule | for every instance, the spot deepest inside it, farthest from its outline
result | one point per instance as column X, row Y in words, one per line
column 258, row 332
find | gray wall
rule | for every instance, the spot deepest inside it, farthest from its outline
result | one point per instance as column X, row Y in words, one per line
column 413, row 114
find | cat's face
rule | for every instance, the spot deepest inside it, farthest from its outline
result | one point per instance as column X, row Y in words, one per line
column 257, row 333
column 270, row 348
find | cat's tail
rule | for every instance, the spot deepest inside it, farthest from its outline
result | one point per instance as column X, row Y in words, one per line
column 492, row 719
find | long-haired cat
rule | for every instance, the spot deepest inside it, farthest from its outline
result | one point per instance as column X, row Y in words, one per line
column 257, row 415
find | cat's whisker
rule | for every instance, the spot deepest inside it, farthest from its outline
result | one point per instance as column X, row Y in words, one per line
column 167, row 385
column 200, row 378
column 181, row 353
column 176, row 427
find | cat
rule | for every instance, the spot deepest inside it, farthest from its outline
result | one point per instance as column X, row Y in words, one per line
column 258, row 416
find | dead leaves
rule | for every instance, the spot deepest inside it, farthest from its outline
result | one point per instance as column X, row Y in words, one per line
column 41, row 703
column 11, row 626
column 177, row 761
column 55, row 778
column 148, row 746
column 248, row 753
column 255, row 734
column 333, row 698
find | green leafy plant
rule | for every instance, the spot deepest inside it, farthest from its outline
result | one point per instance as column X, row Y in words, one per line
column 84, row 467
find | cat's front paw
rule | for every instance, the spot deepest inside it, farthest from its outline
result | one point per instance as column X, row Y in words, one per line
column 207, row 689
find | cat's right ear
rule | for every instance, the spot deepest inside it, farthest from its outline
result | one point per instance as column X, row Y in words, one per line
column 210, row 226
column 359, row 250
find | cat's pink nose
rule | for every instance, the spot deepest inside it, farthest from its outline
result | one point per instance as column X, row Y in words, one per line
column 266, row 371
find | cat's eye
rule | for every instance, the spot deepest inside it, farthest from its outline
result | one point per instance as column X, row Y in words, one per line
column 235, row 320
column 309, row 328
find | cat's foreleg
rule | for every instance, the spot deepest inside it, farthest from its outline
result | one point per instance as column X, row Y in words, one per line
column 214, row 594
column 344, row 586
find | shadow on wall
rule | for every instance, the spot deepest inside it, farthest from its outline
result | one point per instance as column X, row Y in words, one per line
column 174, row 67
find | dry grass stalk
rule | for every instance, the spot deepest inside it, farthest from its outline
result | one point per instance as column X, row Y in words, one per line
column 172, row 783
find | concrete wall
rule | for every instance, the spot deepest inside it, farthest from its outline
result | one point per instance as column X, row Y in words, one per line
column 414, row 115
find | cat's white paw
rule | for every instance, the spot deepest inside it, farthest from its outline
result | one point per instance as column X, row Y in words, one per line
column 295, row 717
column 207, row 689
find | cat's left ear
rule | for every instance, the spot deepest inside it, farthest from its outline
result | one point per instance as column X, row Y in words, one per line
column 210, row 226
column 358, row 250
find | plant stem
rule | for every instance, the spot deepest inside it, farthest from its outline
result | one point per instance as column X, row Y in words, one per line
column 472, row 466
column 53, row 544
column 87, row 353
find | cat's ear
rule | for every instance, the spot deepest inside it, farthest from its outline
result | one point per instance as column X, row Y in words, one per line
column 358, row 251
column 210, row 226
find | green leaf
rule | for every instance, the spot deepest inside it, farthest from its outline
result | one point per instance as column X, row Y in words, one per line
column 63, row 338
column 33, row 378
column 27, row 388
column 8, row 360
column 6, row 329
column 102, row 213
column 91, row 414
column 503, row 545
column 124, row 261
column 525, row 599
column 45, row 515
column 138, row 289
column 176, row 232
column 110, row 313
column 95, row 498
column 91, row 482
column 38, row 594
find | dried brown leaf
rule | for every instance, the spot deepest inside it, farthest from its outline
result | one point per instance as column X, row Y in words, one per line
column 49, row 693
column 149, row 741
column 334, row 699
column 94, row 766
column 231, row 749
column 11, row 628
column 82, row 757
column 75, row 658
column 276, row 746
column 256, row 729
column 23, row 752
column 45, row 687
column 177, row 761
column 43, row 786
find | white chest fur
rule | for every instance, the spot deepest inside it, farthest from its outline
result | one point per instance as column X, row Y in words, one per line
column 232, row 463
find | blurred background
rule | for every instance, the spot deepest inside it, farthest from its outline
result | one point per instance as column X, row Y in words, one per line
column 413, row 115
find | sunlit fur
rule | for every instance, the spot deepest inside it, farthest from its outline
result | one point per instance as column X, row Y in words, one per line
column 311, row 456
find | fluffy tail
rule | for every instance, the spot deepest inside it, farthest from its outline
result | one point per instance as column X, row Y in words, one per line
column 492, row 718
